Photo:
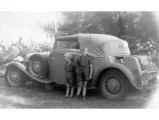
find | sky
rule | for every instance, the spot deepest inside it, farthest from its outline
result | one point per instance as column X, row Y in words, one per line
column 26, row 25
column 15, row 24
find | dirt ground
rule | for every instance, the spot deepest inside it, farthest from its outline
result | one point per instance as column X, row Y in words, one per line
column 34, row 97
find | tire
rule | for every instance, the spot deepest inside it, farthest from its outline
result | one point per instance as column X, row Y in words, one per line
column 14, row 77
column 38, row 67
column 108, row 80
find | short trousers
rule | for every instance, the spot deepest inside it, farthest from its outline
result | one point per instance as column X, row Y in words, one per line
column 70, row 78
column 84, row 70
column 82, row 77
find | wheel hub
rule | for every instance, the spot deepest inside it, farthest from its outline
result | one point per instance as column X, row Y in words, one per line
column 13, row 77
column 36, row 66
column 113, row 85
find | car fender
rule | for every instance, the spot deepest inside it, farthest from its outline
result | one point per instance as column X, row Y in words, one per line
column 129, row 74
column 42, row 54
column 22, row 67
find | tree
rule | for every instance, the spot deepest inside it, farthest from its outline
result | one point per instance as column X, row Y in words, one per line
column 2, row 49
column 137, row 26
column 21, row 47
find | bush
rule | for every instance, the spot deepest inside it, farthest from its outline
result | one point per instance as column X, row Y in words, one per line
column 20, row 49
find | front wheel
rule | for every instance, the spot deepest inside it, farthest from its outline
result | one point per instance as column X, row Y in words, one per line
column 14, row 77
column 112, row 84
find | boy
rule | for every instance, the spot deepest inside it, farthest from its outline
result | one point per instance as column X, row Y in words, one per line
column 70, row 74
column 84, row 73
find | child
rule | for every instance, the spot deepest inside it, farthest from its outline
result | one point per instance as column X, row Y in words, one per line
column 70, row 74
column 84, row 73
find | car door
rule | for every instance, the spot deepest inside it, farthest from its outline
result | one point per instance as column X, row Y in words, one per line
column 57, row 66
column 57, row 61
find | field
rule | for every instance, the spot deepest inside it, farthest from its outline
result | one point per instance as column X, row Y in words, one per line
column 31, row 96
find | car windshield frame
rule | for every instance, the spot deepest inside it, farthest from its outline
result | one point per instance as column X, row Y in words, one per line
column 70, row 39
column 66, row 45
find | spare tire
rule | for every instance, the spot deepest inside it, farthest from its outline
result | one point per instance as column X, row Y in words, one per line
column 38, row 66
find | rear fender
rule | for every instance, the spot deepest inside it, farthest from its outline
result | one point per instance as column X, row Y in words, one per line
column 22, row 67
column 124, row 70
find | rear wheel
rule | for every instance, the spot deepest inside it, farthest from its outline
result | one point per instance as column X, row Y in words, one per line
column 112, row 84
column 14, row 77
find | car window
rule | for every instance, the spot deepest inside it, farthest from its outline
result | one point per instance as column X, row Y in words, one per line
column 67, row 45
column 116, row 47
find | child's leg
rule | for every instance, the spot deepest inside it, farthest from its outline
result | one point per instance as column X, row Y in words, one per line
column 84, row 88
column 67, row 89
column 72, row 91
column 79, row 88
column 72, row 83
column 79, row 83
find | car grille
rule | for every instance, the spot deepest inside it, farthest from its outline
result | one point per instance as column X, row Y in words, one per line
column 146, row 65
column 149, row 68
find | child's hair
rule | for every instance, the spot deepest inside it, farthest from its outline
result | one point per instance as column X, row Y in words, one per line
column 84, row 49
column 68, row 56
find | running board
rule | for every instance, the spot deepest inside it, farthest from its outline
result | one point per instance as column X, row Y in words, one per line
column 46, row 81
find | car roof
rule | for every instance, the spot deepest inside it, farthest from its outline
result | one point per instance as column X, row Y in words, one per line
column 86, row 36
column 93, row 42
column 68, row 37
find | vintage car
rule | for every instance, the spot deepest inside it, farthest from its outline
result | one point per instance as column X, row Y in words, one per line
column 115, row 70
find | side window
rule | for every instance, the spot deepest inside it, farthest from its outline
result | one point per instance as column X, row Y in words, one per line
column 76, row 46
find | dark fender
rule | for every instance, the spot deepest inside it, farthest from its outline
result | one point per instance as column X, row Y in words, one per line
column 22, row 67
column 126, row 71
column 42, row 54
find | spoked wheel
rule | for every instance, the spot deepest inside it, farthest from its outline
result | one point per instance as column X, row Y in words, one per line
column 34, row 67
column 112, row 84
column 37, row 66
column 14, row 77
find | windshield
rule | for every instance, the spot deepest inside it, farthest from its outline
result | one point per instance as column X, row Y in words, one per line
column 67, row 45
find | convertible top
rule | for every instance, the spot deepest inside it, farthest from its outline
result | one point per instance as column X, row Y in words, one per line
column 97, row 43
column 87, row 37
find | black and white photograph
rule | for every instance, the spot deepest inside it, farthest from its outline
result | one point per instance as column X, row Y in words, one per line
column 79, row 59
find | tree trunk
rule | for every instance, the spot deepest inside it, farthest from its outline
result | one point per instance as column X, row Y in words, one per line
column 121, row 26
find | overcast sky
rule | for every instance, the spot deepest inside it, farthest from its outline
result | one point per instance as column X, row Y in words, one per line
column 25, row 24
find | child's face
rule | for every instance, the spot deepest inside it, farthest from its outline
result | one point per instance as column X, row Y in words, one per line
column 68, row 59
column 85, row 52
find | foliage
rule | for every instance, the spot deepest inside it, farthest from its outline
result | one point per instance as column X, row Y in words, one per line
column 134, row 27
column 138, row 28
column 18, row 48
